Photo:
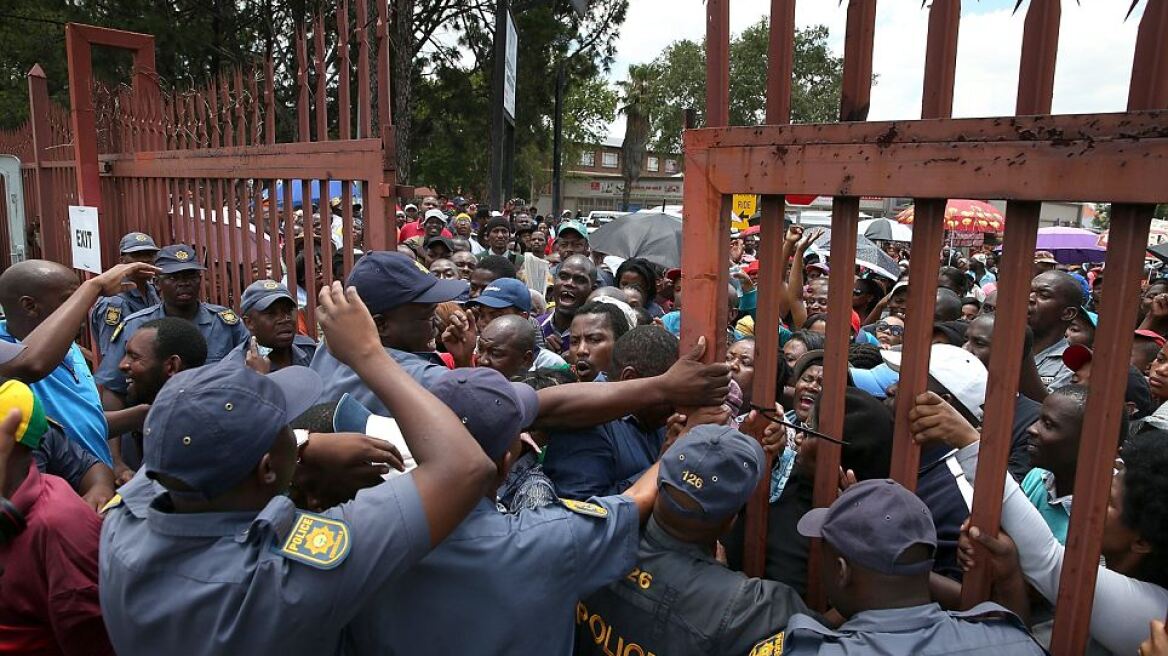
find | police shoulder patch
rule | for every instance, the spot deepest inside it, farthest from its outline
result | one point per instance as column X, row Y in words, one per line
column 771, row 646
column 113, row 316
column 114, row 502
column 318, row 541
column 585, row 508
column 229, row 317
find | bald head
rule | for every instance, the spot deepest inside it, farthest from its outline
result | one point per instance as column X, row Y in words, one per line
column 612, row 292
column 1064, row 285
column 31, row 290
column 507, row 345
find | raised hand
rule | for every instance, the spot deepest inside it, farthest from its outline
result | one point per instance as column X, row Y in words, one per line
column 933, row 420
column 460, row 338
column 689, row 383
column 119, row 277
column 349, row 331
column 256, row 362
column 1003, row 554
column 794, row 234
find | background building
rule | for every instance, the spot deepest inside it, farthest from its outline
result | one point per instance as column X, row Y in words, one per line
column 592, row 180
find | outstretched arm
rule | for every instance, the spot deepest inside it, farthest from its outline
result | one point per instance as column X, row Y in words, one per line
column 45, row 347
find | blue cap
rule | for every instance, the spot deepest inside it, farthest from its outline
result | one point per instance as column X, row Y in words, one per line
column 210, row 426
column 1091, row 316
column 717, row 467
column 504, row 293
column 875, row 381
column 872, row 524
column 493, row 409
column 261, row 294
column 136, row 242
column 350, row 415
column 176, row 258
column 388, row 279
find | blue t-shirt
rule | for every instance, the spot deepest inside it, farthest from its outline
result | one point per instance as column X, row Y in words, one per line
column 70, row 396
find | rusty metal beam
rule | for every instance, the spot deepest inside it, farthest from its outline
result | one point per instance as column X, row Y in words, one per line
column 705, row 264
column 1025, row 170
column 341, row 160
column 1068, row 130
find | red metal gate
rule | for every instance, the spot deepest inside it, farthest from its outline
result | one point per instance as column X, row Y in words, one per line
column 1026, row 159
column 205, row 165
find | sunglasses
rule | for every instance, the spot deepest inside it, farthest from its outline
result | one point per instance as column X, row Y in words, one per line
column 885, row 327
column 778, row 419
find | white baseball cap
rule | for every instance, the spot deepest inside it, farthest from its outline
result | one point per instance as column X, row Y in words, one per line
column 955, row 369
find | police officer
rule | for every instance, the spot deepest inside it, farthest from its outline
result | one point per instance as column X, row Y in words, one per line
column 107, row 314
column 678, row 599
column 269, row 313
column 204, row 554
column 180, row 281
column 878, row 545
column 507, row 582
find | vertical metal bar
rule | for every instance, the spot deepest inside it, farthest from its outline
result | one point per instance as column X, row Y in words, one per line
column 219, row 221
column 326, row 230
column 309, row 249
column 213, row 118
column 344, row 109
column 318, row 53
column 304, row 132
column 269, row 105
column 928, row 230
column 203, row 220
column 364, row 103
column 1126, row 247
column 856, row 91
column 1035, row 91
column 780, row 55
column 42, row 137
column 254, row 102
column 274, row 233
column 384, row 113
column 704, row 262
column 228, row 122
column 347, row 226
column 290, row 243
column 240, row 116
column 378, row 236
column 84, row 124
column 717, row 64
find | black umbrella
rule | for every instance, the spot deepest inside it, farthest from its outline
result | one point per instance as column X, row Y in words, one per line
column 1160, row 251
column 655, row 236
column 868, row 255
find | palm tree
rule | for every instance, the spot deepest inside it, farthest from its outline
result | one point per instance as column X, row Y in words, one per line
column 635, row 103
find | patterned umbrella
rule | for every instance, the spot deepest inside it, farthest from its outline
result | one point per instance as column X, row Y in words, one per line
column 965, row 216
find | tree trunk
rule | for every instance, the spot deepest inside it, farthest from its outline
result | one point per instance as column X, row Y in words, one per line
column 401, row 36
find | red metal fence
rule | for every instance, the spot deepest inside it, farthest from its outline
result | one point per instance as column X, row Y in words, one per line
column 1025, row 159
column 206, row 166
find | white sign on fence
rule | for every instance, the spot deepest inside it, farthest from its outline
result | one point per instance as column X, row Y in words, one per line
column 509, row 74
column 84, row 237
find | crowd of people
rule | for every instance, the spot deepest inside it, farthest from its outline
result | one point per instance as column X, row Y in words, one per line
column 490, row 441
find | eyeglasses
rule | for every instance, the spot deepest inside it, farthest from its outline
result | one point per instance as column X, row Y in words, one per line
column 891, row 329
column 778, row 419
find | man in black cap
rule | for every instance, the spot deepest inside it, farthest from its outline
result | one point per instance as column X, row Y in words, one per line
column 180, row 281
column 269, row 312
column 437, row 248
column 108, row 312
column 496, row 236
column 878, row 544
column 205, row 554
column 402, row 300
column 679, row 599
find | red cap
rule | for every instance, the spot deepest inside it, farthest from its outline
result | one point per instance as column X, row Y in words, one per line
column 752, row 269
column 673, row 274
column 855, row 322
column 1076, row 356
column 1152, row 335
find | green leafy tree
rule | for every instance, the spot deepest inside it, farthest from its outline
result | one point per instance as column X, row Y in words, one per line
column 636, row 104
column 680, row 82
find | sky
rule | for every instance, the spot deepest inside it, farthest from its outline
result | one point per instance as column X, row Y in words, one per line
column 1092, row 73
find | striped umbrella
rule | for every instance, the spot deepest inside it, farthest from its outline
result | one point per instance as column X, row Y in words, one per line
column 965, row 216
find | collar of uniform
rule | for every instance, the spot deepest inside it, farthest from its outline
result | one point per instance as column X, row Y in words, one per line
column 657, row 535
column 206, row 315
column 279, row 514
column 892, row 620
column 139, row 492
